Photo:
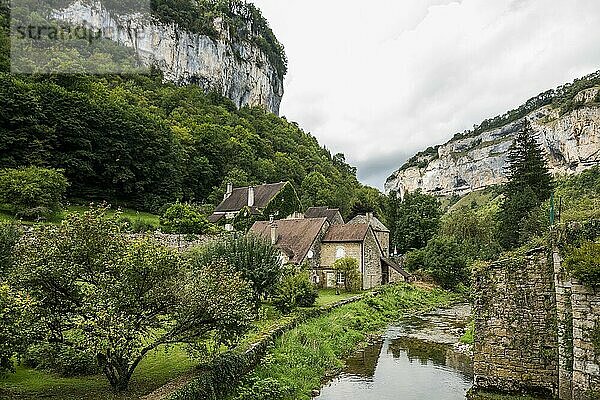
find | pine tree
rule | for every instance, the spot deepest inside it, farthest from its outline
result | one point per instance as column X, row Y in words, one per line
column 529, row 185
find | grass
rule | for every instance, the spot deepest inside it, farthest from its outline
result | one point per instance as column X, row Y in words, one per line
column 155, row 370
column 302, row 357
column 328, row 296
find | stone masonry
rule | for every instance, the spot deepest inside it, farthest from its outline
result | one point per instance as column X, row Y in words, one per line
column 535, row 329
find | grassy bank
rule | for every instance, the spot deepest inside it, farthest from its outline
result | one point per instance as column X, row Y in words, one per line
column 302, row 357
column 154, row 371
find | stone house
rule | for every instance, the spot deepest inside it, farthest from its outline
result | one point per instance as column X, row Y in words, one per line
column 244, row 205
column 316, row 243
column 298, row 239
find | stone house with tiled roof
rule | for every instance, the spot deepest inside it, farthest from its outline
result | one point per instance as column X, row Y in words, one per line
column 244, row 205
column 299, row 239
column 317, row 243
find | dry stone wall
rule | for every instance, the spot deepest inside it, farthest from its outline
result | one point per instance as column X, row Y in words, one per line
column 515, row 317
column 537, row 329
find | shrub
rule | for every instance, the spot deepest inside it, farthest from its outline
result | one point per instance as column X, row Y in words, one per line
column 33, row 192
column 63, row 360
column 137, row 225
column 414, row 260
column 348, row 266
column 184, row 218
column 584, row 263
column 262, row 389
column 295, row 290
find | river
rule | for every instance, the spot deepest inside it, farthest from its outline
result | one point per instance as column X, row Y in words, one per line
column 413, row 360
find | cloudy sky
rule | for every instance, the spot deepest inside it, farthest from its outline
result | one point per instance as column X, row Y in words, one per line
column 380, row 80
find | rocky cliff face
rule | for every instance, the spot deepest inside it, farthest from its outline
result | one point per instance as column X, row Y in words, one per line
column 571, row 143
column 237, row 69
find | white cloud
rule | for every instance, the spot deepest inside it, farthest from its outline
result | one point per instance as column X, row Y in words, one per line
column 381, row 80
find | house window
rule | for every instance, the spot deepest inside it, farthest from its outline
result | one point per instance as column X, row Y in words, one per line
column 340, row 253
column 341, row 278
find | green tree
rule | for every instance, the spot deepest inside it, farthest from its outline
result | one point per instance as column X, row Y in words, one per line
column 418, row 220
column 15, row 325
column 256, row 259
column 184, row 218
column 32, row 192
column 94, row 289
column 529, row 185
column 348, row 267
column 316, row 190
column 368, row 200
column 442, row 259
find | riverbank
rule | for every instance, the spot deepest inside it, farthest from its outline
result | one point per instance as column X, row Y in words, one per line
column 305, row 356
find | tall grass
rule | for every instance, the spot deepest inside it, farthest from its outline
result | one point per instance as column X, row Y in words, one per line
column 302, row 357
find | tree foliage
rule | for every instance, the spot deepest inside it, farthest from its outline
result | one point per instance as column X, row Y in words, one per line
column 529, row 185
column 32, row 192
column 583, row 263
column 256, row 259
column 443, row 260
column 184, row 218
column 95, row 290
column 417, row 221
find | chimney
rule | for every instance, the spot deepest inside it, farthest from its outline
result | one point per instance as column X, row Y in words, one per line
column 251, row 196
column 369, row 217
column 273, row 233
column 229, row 190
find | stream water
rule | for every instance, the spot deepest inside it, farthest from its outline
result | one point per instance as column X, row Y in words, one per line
column 413, row 360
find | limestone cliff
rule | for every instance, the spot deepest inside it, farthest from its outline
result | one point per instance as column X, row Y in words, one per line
column 238, row 69
column 569, row 136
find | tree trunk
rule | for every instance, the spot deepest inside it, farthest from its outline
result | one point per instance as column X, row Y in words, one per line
column 118, row 372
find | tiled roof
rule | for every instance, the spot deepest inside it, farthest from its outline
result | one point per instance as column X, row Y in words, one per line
column 294, row 236
column 375, row 223
column 320, row 212
column 238, row 199
column 346, row 233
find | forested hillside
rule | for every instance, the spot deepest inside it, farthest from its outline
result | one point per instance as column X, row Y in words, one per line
column 136, row 141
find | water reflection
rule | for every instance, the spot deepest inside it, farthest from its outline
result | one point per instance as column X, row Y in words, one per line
column 404, row 365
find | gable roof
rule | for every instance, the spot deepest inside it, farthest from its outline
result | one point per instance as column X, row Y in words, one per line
column 375, row 223
column 263, row 194
column 346, row 233
column 320, row 212
column 294, row 236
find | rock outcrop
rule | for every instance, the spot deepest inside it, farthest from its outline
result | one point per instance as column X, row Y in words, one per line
column 570, row 141
column 238, row 69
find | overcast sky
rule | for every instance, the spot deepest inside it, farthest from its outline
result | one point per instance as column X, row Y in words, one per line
column 381, row 79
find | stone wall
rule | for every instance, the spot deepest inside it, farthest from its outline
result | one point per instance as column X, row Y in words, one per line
column 578, row 308
column 371, row 261
column 537, row 329
column 515, row 318
column 180, row 242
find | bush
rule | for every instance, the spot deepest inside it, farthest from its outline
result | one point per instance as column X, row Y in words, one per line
column 584, row 263
column 137, row 225
column 295, row 290
column 63, row 360
column 33, row 192
column 184, row 218
column 261, row 389
column 414, row 260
